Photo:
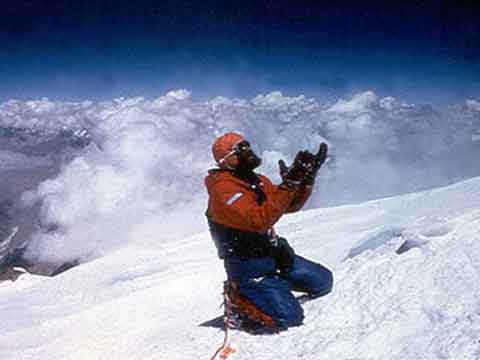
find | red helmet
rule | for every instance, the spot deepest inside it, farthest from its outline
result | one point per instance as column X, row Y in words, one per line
column 223, row 149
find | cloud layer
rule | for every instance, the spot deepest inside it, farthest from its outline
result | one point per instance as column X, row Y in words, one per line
column 136, row 165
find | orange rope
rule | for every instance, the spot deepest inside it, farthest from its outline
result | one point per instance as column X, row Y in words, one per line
column 225, row 349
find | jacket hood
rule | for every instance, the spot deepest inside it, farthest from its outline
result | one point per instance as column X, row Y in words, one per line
column 216, row 175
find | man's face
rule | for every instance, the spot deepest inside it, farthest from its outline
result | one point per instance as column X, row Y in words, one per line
column 247, row 159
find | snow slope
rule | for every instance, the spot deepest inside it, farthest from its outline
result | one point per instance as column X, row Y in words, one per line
column 139, row 303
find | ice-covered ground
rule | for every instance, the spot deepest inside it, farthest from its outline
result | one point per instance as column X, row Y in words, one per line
column 139, row 303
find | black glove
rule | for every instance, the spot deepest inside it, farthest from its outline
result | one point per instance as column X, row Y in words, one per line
column 283, row 254
column 294, row 175
column 312, row 163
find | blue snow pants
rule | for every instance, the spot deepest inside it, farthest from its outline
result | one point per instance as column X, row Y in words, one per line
column 272, row 293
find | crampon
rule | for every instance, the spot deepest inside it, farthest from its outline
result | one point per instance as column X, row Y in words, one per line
column 242, row 314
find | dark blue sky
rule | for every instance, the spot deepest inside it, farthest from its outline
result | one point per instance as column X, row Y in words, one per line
column 424, row 51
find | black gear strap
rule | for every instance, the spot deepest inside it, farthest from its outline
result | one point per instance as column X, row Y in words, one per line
column 237, row 243
column 255, row 184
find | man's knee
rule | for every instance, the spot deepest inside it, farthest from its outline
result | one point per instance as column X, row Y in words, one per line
column 311, row 277
column 292, row 316
column 326, row 284
column 321, row 282
column 273, row 297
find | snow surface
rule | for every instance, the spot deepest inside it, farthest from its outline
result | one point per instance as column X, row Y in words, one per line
column 139, row 303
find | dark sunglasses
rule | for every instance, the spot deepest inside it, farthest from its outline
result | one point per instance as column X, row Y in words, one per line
column 242, row 146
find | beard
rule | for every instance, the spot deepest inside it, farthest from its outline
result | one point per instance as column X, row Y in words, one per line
column 248, row 161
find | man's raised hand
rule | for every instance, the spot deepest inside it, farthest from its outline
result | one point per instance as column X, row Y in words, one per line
column 316, row 162
column 294, row 175
column 305, row 167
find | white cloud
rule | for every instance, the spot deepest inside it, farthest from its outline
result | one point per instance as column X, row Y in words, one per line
column 148, row 157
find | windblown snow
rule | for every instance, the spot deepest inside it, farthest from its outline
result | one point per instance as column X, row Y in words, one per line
column 420, row 302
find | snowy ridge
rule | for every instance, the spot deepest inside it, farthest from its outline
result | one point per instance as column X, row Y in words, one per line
column 146, row 304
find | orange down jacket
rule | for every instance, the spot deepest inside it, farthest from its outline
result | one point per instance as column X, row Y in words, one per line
column 232, row 201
